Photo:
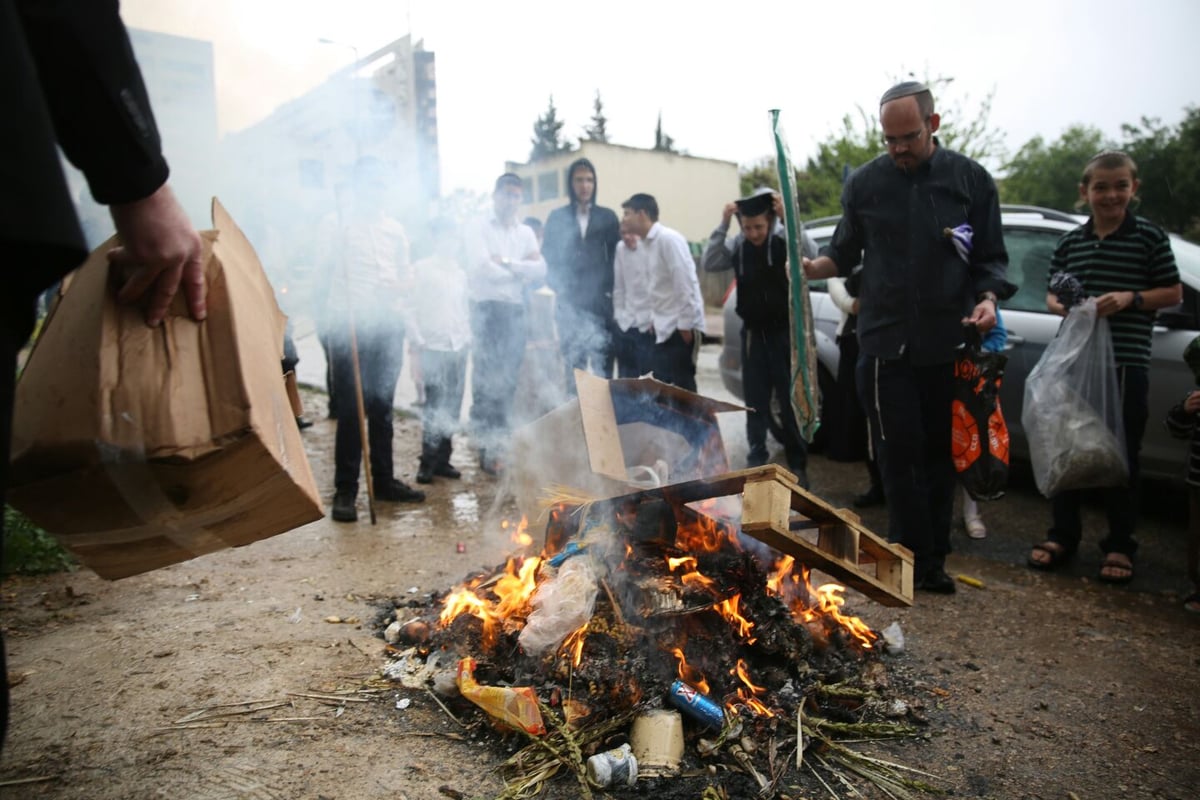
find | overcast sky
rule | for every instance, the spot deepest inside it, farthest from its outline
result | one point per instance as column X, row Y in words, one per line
column 712, row 69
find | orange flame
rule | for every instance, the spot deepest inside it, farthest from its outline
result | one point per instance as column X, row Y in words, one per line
column 821, row 604
column 686, row 561
column 512, row 591
column 703, row 534
column 689, row 674
column 520, row 537
column 573, row 644
column 729, row 610
column 742, row 671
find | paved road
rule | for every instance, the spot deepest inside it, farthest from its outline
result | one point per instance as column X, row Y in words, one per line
column 1014, row 522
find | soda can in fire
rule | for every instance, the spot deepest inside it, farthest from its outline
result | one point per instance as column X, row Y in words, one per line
column 698, row 707
column 613, row 768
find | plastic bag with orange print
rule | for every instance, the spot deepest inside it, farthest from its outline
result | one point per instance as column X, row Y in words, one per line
column 979, row 435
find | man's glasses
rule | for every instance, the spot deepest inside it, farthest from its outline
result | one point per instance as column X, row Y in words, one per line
column 907, row 140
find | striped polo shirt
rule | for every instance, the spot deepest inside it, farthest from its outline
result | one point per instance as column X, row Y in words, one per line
column 1135, row 257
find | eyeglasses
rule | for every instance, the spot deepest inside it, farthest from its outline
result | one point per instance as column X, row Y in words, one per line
column 908, row 139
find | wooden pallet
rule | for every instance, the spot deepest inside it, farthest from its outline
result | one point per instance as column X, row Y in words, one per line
column 794, row 521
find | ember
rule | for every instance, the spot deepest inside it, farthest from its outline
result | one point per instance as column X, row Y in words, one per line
column 632, row 598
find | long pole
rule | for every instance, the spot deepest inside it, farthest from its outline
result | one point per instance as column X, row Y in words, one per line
column 362, row 417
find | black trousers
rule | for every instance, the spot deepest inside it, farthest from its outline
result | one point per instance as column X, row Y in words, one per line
column 767, row 370
column 498, row 330
column 633, row 350
column 671, row 361
column 586, row 342
column 908, row 408
column 380, row 357
column 445, row 374
column 1120, row 502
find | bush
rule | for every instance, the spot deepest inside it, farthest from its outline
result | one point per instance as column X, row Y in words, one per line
column 29, row 550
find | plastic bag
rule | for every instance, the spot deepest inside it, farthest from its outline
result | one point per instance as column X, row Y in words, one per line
column 1072, row 413
column 979, row 435
column 515, row 707
column 561, row 605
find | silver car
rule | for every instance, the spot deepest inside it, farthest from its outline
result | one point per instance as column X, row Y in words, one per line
column 1030, row 234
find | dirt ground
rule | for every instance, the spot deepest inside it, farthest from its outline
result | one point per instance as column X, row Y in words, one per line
column 1037, row 686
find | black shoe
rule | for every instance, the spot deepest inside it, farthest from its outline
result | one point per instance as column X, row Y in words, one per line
column 394, row 491
column 447, row 471
column 424, row 474
column 343, row 506
column 871, row 497
column 936, row 580
column 302, row 423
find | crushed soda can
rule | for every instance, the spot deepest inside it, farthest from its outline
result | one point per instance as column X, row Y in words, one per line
column 616, row 767
column 696, row 706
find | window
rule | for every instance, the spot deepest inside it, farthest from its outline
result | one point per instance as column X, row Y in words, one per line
column 1029, row 253
column 547, row 183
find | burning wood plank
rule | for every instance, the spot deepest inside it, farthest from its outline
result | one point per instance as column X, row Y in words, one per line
column 777, row 511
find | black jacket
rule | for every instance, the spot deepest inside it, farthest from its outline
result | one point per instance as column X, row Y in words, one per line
column 579, row 268
column 67, row 74
column 915, row 287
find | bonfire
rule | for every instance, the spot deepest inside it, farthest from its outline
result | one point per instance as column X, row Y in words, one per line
column 635, row 606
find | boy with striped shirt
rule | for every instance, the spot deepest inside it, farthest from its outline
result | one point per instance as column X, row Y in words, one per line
column 1126, row 263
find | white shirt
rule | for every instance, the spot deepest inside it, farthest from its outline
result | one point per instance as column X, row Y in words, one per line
column 675, row 299
column 582, row 215
column 489, row 239
column 372, row 267
column 631, row 288
column 440, row 314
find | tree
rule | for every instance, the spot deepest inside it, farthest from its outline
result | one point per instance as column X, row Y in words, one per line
column 760, row 173
column 547, row 134
column 1048, row 175
column 598, row 130
column 661, row 140
column 1168, row 163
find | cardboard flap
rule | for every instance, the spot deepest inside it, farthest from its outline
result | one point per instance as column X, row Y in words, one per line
column 682, row 396
column 600, row 425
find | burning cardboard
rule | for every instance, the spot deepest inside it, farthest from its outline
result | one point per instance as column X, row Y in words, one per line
column 617, row 435
column 141, row 447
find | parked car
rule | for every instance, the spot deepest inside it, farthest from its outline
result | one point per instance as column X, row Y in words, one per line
column 1030, row 234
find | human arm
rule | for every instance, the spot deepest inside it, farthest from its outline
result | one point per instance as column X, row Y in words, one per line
column 530, row 267
column 1181, row 419
column 846, row 302
column 102, row 118
column 685, row 288
column 718, row 252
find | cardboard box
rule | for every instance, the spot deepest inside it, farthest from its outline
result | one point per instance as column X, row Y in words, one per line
column 602, row 442
column 141, row 447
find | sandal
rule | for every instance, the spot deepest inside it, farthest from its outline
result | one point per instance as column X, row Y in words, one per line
column 1116, row 568
column 1056, row 556
column 1192, row 603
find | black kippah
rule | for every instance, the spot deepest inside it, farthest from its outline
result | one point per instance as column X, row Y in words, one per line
column 905, row 89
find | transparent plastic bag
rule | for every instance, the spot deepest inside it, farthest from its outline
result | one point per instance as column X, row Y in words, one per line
column 562, row 604
column 1072, row 410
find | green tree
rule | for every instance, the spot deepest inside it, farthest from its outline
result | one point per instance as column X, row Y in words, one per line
column 1048, row 175
column 661, row 140
column 1168, row 161
column 760, row 173
column 598, row 130
column 547, row 134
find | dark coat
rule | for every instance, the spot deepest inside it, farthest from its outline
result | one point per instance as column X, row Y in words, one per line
column 580, row 268
column 67, row 74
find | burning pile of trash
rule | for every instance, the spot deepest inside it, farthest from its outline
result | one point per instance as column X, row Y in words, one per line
column 653, row 644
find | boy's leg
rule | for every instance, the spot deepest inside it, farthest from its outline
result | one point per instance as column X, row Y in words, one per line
column 1121, row 503
column 756, row 391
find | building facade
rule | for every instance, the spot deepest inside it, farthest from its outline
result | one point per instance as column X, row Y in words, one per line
column 690, row 191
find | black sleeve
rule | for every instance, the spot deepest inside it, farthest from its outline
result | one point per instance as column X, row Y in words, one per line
column 96, row 96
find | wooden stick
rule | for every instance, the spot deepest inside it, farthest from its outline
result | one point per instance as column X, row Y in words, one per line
column 362, row 417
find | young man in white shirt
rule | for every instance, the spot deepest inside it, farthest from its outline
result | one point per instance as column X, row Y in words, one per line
column 502, row 258
column 676, row 305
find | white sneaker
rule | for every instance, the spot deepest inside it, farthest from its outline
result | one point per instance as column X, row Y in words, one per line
column 975, row 528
